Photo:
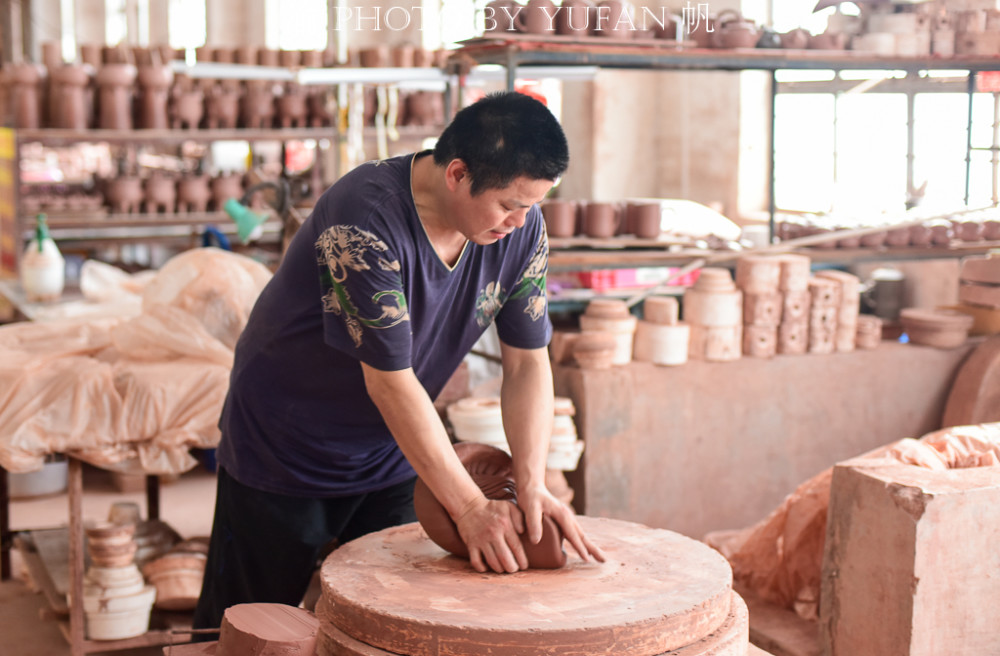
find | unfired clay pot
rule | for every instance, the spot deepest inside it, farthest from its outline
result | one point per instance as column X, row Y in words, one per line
column 424, row 108
column 320, row 112
column 600, row 220
column 292, row 106
column 124, row 194
column 222, row 105
column 290, row 58
column 193, row 193
column 154, row 96
column 71, row 97
column 268, row 57
column 491, row 470
column 187, row 104
column 116, row 83
column 797, row 39
column 312, row 59
column 226, row 186
column 536, row 17
column 732, row 30
column 560, row 217
column 258, row 105
column 246, row 55
column 161, row 194
column 24, row 80
column 376, row 57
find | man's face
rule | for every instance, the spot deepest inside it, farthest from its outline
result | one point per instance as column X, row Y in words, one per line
column 493, row 214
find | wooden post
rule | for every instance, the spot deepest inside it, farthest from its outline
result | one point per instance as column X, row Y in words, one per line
column 5, row 535
column 76, row 617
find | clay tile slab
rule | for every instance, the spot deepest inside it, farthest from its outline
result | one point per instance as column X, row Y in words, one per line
column 396, row 590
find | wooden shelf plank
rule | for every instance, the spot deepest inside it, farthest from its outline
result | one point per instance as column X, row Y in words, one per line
column 52, row 136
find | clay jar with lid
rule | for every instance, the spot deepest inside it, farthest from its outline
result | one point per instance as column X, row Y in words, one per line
column 154, row 94
column 732, row 30
column 25, row 94
column 71, row 97
column 560, row 217
column 611, row 316
column 969, row 231
column 991, row 230
column 115, row 87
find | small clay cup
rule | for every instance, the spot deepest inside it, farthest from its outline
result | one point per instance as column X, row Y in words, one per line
column 644, row 220
column 601, row 220
column 560, row 217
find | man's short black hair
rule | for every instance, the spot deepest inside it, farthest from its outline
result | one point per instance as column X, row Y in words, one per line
column 502, row 137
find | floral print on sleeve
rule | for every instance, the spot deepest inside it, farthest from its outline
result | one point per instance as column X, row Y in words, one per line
column 531, row 285
column 343, row 249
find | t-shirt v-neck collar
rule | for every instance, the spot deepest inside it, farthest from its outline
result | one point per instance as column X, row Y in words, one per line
column 423, row 228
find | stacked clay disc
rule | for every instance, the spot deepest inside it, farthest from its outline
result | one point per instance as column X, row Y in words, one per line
column 659, row 593
column 116, row 600
column 713, row 310
column 660, row 338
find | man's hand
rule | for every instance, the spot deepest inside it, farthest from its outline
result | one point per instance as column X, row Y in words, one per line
column 491, row 530
column 536, row 501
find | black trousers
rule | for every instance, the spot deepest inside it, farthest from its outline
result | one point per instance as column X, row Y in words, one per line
column 264, row 547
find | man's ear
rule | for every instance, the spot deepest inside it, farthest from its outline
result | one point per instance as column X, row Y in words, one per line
column 455, row 173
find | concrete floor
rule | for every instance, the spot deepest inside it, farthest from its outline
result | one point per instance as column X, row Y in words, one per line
column 186, row 504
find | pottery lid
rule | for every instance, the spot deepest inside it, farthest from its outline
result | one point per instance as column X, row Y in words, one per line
column 607, row 308
column 936, row 318
column 715, row 279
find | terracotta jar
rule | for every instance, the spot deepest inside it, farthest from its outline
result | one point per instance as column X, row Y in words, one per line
column 920, row 235
column 90, row 54
column 224, row 56
column 402, row 56
column 732, row 30
column 25, row 84
column 536, row 17
column 312, row 59
column 898, row 237
column 423, row 57
column 258, row 105
column 322, row 106
column 193, row 193
column 376, row 57
column 498, row 16
column 246, row 55
column 268, row 57
column 424, row 108
column 941, row 232
column 224, row 187
column 222, row 105
column 154, row 96
column 124, row 194
column 576, row 17
column 292, row 106
column 115, row 83
column 71, row 97
column 797, row 39
column 644, row 220
column 187, row 105
column 560, row 217
column 969, row 231
column 290, row 58
column 600, row 220
column 161, row 193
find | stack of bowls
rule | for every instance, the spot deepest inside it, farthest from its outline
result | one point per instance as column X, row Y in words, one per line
column 478, row 419
column 177, row 576
column 564, row 447
column 116, row 601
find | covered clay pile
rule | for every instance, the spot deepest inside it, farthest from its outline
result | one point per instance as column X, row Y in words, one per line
column 397, row 593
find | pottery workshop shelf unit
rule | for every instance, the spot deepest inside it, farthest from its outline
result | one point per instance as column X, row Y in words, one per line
column 527, row 55
column 57, row 567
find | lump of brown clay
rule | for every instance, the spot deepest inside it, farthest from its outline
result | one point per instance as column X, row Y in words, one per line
column 267, row 630
column 490, row 469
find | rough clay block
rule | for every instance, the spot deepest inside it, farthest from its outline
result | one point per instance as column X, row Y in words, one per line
column 716, row 344
column 267, row 630
column 823, row 318
column 793, row 338
column 658, row 591
column 795, row 306
column 982, row 295
column 762, row 309
column 794, row 275
column 760, row 341
column 758, row 274
column 824, row 292
column 981, row 269
column 911, row 560
column 822, row 339
column 713, row 308
column 660, row 309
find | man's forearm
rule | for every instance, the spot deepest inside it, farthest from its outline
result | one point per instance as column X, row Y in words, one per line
column 526, row 403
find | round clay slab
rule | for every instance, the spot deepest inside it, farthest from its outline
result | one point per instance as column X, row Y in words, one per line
column 396, row 590
column 730, row 639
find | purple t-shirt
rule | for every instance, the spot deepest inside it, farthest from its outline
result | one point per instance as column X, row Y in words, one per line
column 360, row 282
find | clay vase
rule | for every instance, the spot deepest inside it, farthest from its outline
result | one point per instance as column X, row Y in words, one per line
column 25, row 84
column 115, row 84
column 321, row 106
column 797, row 39
column 70, row 97
column 222, row 105
column 193, row 193
column 424, row 108
column 187, row 106
column 226, row 186
column 560, row 217
column 161, row 194
column 575, row 17
column 246, row 55
column 258, row 105
column 377, row 57
column 123, row 194
column 732, row 30
column 537, row 17
column 491, row 470
column 600, row 220
column 498, row 16
column 154, row 96
column 292, row 106
column 615, row 19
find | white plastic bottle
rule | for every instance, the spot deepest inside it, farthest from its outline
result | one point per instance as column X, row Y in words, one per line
column 43, row 269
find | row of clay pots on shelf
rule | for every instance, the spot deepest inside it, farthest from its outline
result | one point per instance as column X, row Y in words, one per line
column 599, row 220
column 932, row 233
column 163, row 193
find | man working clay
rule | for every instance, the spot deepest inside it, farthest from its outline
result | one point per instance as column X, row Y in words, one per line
column 381, row 294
